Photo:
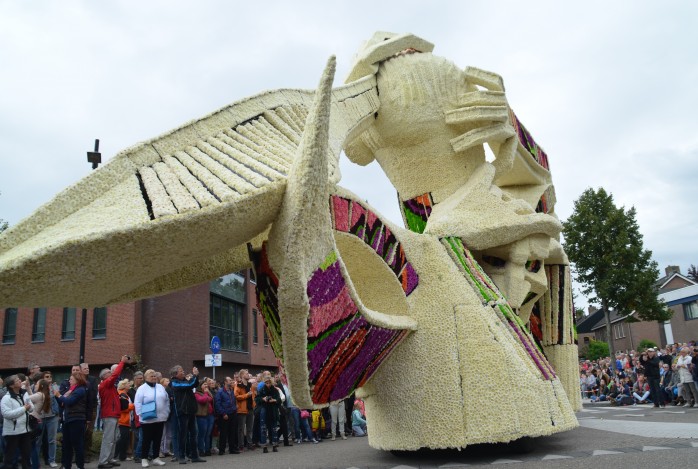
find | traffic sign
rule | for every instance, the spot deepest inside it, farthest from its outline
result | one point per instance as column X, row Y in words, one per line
column 213, row 360
column 215, row 344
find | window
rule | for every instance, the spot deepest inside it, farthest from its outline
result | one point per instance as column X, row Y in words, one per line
column 99, row 323
column 39, row 327
column 690, row 310
column 231, row 286
column 618, row 331
column 9, row 330
column 226, row 321
column 586, row 340
column 266, row 337
column 255, row 335
column 68, row 330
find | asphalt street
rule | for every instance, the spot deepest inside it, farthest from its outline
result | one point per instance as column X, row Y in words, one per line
column 633, row 437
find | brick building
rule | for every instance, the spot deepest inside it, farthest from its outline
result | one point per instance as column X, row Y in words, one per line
column 679, row 292
column 683, row 326
column 171, row 329
column 584, row 326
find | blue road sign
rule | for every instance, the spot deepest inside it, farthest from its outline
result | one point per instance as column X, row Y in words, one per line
column 215, row 344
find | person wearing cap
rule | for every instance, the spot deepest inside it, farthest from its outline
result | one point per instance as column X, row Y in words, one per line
column 651, row 363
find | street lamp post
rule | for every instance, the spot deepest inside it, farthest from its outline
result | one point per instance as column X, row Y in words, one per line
column 94, row 157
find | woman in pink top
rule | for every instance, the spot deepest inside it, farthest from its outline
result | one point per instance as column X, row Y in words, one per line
column 204, row 417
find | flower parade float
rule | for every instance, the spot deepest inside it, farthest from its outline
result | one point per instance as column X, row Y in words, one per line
column 455, row 329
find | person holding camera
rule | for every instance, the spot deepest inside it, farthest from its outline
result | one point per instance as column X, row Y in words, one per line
column 110, row 412
column 270, row 399
column 74, row 402
column 185, row 409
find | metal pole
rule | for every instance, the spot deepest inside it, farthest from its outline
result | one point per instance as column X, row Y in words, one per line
column 82, row 335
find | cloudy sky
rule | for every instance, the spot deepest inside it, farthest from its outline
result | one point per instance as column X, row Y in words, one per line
column 607, row 88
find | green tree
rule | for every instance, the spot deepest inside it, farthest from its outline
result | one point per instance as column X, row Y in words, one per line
column 597, row 349
column 605, row 245
column 645, row 344
column 693, row 273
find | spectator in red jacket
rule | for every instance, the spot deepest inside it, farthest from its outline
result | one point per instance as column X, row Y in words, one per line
column 110, row 412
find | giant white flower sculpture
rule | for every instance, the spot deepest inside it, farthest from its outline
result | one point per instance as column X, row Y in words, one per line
column 455, row 330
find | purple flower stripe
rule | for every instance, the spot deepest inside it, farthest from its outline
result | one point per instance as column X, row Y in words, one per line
column 374, row 342
column 324, row 286
column 412, row 278
column 377, row 230
column 531, row 346
column 389, row 256
column 318, row 355
column 417, row 208
column 380, row 242
column 361, row 232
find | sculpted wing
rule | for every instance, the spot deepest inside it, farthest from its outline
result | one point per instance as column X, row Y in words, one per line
column 173, row 211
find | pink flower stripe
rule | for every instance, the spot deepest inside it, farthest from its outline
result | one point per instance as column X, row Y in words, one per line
column 371, row 219
column 325, row 315
column 341, row 214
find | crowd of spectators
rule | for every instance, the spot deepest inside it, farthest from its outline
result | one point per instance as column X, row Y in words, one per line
column 151, row 417
column 657, row 376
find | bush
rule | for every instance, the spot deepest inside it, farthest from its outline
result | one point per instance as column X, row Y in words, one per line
column 645, row 344
column 597, row 349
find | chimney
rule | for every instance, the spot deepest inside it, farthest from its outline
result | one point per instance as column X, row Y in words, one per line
column 592, row 309
column 672, row 269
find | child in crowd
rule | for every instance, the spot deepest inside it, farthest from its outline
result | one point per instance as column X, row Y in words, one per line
column 318, row 424
column 358, row 423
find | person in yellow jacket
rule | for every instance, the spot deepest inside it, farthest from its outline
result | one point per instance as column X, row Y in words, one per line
column 318, row 424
